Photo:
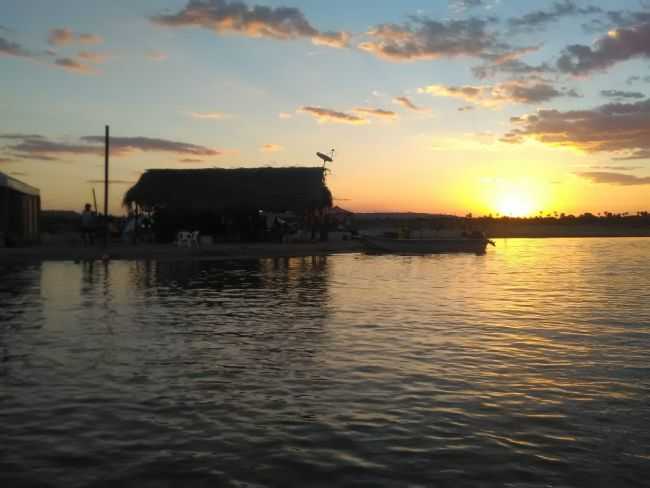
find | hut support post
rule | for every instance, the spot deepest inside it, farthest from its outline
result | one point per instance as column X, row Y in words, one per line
column 135, row 225
column 4, row 215
column 107, row 230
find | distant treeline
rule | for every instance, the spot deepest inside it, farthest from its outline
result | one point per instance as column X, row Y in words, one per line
column 556, row 225
column 638, row 219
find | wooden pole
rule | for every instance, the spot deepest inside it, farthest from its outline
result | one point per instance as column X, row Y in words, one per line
column 95, row 201
column 106, row 228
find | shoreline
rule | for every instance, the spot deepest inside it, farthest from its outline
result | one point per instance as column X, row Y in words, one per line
column 223, row 251
column 168, row 252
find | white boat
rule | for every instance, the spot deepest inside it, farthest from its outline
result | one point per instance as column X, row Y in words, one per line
column 472, row 244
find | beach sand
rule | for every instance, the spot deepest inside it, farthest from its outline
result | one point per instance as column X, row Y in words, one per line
column 170, row 252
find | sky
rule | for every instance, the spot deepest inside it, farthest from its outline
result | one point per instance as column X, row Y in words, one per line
column 494, row 107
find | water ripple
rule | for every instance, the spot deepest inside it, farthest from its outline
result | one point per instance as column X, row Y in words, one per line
column 528, row 366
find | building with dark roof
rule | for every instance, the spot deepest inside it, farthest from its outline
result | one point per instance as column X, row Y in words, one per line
column 20, row 207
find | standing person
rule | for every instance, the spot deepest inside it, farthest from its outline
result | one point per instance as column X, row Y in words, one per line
column 88, row 225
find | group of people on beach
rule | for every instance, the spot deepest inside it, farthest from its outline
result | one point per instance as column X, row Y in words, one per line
column 124, row 228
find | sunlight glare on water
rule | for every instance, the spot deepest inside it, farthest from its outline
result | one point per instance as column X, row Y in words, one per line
column 528, row 366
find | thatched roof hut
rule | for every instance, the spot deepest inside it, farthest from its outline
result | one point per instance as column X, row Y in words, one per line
column 222, row 190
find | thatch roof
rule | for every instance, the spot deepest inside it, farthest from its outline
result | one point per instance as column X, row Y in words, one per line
column 243, row 189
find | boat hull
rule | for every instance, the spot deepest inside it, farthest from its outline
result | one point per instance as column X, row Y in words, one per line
column 424, row 246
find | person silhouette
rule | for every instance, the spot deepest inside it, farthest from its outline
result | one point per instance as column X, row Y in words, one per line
column 88, row 225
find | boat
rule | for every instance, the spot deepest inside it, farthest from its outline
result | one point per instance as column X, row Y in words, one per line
column 470, row 244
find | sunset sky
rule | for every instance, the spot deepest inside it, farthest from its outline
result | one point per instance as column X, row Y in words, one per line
column 479, row 106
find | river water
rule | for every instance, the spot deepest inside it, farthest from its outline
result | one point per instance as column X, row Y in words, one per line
column 527, row 366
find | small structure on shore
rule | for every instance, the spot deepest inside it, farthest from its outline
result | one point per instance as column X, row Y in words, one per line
column 230, row 204
column 20, row 207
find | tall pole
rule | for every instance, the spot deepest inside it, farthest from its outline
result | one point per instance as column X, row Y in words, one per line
column 106, row 229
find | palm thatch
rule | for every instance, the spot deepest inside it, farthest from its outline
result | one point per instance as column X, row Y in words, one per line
column 232, row 190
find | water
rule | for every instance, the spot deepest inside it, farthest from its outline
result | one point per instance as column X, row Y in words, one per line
column 529, row 366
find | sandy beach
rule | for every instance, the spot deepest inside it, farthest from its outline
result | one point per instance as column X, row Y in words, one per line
column 169, row 252
column 223, row 251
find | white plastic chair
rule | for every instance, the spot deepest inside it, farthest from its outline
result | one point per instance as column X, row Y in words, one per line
column 194, row 239
column 183, row 239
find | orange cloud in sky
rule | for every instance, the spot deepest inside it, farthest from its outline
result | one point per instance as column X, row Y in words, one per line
column 93, row 57
column 209, row 115
column 622, row 128
column 74, row 65
column 271, row 148
column 376, row 112
column 512, row 91
column 63, row 36
column 325, row 115
column 407, row 103
column 36, row 147
column 281, row 23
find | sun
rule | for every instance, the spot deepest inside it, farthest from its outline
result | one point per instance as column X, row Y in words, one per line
column 515, row 204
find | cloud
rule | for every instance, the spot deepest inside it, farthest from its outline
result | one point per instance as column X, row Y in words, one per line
column 618, row 168
column 639, row 154
column 60, row 37
column 156, row 56
column 513, row 91
column 77, row 65
column 616, row 18
column 124, row 145
column 466, row 108
column 621, row 94
column 8, row 48
column 93, row 57
column 46, row 150
column 271, row 148
column 285, row 115
column 36, row 157
column 209, row 115
column 5, row 160
column 622, row 128
column 325, row 115
column 89, row 39
column 41, row 148
column 223, row 16
column 514, row 67
column 511, row 55
column 522, row 92
column 71, row 64
column 19, row 137
column 614, row 178
column 540, row 18
column 332, row 39
column 425, row 39
column 617, row 46
column 467, row 4
column 63, row 36
column 469, row 93
column 407, row 103
column 376, row 112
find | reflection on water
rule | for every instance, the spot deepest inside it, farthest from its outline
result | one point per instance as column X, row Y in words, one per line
column 526, row 367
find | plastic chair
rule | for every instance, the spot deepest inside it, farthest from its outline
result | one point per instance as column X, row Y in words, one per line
column 194, row 239
column 183, row 239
